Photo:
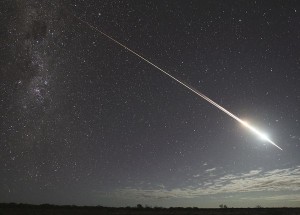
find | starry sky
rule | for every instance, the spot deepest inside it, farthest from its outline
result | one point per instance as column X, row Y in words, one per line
column 85, row 122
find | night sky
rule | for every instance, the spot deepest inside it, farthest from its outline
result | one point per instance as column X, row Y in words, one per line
column 83, row 121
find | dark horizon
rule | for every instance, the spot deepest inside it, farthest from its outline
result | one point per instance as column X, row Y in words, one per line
column 137, row 206
column 16, row 209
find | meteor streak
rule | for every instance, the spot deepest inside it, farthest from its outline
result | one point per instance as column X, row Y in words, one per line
column 251, row 128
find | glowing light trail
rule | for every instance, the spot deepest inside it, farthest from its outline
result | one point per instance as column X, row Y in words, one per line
column 254, row 130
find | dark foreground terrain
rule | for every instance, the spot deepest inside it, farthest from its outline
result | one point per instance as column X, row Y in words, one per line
column 24, row 209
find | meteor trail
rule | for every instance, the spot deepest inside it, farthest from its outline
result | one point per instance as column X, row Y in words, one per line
column 251, row 128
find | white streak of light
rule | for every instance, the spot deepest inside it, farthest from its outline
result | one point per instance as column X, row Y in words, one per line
column 254, row 130
column 260, row 134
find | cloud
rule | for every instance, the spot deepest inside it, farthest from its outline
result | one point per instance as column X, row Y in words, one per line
column 295, row 137
column 290, row 197
column 252, row 181
column 206, row 171
column 210, row 170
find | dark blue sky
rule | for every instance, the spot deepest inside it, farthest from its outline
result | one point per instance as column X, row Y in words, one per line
column 84, row 121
